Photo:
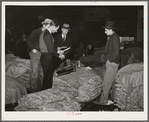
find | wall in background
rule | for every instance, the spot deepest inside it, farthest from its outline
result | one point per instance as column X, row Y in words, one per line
column 87, row 28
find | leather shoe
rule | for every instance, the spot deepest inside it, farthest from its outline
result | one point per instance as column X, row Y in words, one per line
column 102, row 103
column 99, row 103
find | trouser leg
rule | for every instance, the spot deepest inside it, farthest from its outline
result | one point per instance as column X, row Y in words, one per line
column 112, row 92
column 111, row 71
column 47, row 62
column 57, row 62
column 40, row 77
column 34, row 69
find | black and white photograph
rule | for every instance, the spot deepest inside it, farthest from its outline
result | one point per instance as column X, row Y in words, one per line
column 76, row 60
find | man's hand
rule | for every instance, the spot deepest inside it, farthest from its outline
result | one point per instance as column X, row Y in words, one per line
column 103, row 58
column 61, row 56
column 34, row 51
column 58, row 48
column 60, row 52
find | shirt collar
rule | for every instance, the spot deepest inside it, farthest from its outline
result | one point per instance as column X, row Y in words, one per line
column 49, row 30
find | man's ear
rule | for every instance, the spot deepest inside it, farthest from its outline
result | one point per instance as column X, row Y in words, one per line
column 111, row 29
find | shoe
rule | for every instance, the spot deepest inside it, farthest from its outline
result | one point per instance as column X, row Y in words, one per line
column 102, row 103
column 110, row 102
column 99, row 103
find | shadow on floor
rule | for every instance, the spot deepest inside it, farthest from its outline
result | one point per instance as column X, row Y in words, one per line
column 10, row 107
column 93, row 107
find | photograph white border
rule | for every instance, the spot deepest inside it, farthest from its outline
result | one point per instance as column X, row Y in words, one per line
column 96, row 116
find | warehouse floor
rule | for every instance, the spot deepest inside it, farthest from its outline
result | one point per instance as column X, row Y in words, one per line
column 90, row 106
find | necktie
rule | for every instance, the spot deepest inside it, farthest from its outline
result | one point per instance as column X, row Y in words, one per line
column 64, row 37
column 53, row 40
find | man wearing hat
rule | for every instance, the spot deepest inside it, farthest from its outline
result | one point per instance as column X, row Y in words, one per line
column 63, row 40
column 112, row 54
column 48, row 52
column 36, row 74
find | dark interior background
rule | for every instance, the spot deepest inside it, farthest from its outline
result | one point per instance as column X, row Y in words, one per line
column 30, row 17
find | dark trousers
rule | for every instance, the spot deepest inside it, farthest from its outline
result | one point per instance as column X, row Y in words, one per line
column 57, row 61
column 47, row 63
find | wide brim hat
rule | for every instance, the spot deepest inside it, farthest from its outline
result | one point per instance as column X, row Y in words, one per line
column 46, row 21
column 66, row 26
column 110, row 25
